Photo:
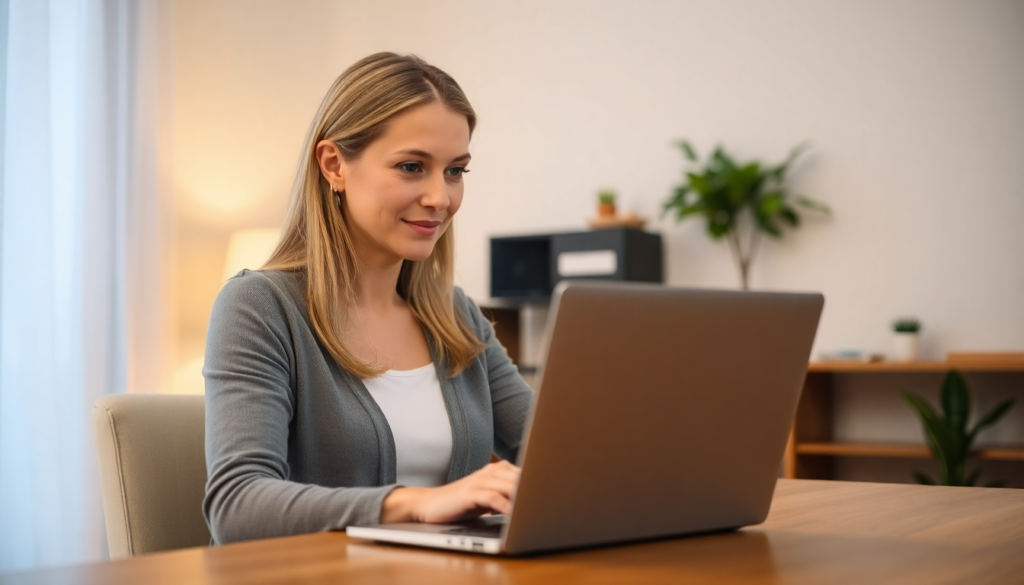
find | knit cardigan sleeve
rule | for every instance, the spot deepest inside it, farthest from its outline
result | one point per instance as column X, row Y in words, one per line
column 511, row 397
column 250, row 372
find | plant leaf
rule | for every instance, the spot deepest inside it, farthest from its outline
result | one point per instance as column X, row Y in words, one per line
column 770, row 204
column 811, row 204
column 788, row 215
column 767, row 226
column 717, row 230
column 990, row 418
column 688, row 210
column 678, row 199
column 972, row 479
column 779, row 172
column 722, row 160
column 945, row 443
column 956, row 401
column 743, row 184
column 922, row 478
column 700, row 184
column 688, row 151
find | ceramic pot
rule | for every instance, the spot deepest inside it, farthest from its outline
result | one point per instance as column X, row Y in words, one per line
column 606, row 209
column 906, row 347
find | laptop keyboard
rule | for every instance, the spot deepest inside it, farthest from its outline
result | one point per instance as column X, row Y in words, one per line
column 485, row 530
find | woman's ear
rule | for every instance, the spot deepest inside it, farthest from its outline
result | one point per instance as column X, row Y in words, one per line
column 332, row 165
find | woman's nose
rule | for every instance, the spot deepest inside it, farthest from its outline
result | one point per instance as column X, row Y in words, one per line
column 435, row 194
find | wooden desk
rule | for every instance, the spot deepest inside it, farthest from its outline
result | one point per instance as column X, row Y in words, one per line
column 817, row 532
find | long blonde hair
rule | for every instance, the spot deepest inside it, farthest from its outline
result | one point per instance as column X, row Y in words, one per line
column 317, row 241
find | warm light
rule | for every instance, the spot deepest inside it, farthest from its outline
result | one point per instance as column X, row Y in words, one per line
column 249, row 248
column 188, row 378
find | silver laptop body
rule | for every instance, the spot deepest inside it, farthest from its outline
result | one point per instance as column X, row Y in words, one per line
column 660, row 411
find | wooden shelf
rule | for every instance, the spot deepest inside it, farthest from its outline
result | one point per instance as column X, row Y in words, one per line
column 814, row 453
column 900, row 451
column 963, row 362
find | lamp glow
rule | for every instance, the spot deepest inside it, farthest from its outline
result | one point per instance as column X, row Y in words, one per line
column 249, row 248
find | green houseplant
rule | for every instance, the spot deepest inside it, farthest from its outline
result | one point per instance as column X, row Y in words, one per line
column 739, row 201
column 948, row 435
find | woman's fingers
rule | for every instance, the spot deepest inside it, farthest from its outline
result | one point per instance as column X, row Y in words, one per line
column 496, row 484
column 506, row 470
column 498, row 503
column 502, row 471
column 489, row 489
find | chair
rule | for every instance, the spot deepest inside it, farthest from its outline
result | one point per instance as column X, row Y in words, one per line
column 152, row 471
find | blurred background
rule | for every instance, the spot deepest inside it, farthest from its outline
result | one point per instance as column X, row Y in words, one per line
column 912, row 110
column 156, row 142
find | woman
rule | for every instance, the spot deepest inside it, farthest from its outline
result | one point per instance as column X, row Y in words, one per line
column 349, row 381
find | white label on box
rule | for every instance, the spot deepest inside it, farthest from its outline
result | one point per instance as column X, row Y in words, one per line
column 593, row 263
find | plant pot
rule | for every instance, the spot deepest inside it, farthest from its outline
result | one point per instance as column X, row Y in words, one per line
column 606, row 210
column 906, row 347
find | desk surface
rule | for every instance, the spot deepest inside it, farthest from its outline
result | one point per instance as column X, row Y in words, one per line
column 817, row 532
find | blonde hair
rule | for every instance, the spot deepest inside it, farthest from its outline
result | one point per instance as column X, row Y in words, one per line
column 317, row 241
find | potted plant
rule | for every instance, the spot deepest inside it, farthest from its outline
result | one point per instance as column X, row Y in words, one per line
column 740, row 202
column 606, row 203
column 948, row 436
column 906, row 340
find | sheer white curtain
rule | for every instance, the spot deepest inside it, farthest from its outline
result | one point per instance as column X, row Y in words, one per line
column 82, row 297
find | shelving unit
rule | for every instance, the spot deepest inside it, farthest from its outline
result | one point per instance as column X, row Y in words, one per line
column 812, row 451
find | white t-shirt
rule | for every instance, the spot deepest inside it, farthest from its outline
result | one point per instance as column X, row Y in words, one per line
column 412, row 402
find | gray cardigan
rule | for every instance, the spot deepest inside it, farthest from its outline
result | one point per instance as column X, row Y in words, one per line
column 296, row 444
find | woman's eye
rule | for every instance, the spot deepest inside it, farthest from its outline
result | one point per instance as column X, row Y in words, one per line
column 410, row 167
column 456, row 171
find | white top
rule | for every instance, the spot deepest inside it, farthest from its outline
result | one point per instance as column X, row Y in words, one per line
column 412, row 402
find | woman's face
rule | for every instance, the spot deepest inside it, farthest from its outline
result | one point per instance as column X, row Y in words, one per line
column 402, row 191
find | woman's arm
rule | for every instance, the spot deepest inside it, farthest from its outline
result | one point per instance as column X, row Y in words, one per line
column 249, row 407
column 511, row 397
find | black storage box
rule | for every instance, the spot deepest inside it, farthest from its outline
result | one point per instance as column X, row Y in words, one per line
column 527, row 268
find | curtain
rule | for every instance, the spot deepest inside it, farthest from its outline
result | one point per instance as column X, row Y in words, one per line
column 83, row 308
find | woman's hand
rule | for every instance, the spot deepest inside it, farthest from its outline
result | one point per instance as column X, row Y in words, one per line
column 490, row 489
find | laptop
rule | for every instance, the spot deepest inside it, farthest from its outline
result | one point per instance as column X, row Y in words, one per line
column 660, row 412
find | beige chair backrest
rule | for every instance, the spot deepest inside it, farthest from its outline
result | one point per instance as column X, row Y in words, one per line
column 152, row 471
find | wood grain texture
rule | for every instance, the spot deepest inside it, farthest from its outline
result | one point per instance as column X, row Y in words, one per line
column 897, row 450
column 817, row 532
column 964, row 362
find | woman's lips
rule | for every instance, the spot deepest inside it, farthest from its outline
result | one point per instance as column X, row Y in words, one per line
column 424, row 228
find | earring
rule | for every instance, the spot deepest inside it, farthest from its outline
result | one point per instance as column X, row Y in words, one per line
column 337, row 200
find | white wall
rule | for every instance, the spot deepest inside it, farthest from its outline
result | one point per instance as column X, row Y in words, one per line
column 913, row 108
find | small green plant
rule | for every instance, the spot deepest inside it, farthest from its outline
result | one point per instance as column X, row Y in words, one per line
column 906, row 325
column 606, row 197
column 948, row 436
column 739, row 201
